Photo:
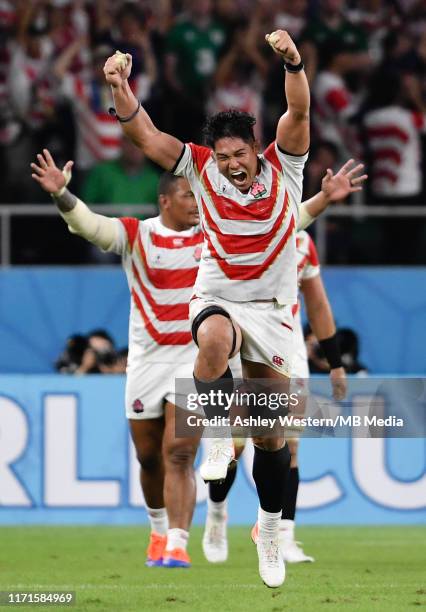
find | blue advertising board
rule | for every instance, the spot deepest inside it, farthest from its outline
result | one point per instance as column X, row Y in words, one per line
column 66, row 458
column 41, row 307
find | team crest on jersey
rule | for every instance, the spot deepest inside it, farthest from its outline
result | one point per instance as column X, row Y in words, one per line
column 258, row 190
column 197, row 253
column 137, row 406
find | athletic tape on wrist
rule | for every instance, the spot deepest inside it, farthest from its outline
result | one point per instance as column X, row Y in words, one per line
column 305, row 219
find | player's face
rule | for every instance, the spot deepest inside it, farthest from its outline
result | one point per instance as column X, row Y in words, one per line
column 181, row 205
column 237, row 160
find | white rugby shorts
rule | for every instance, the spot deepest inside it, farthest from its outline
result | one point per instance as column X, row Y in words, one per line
column 149, row 385
column 266, row 327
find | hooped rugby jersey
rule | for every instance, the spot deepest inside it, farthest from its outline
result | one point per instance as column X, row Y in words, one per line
column 307, row 266
column 249, row 251
column 161, row 266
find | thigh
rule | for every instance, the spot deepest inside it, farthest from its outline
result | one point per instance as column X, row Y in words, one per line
column 147, row 436
column 267, row 332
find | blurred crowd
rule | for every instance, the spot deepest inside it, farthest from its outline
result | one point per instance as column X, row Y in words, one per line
column 365, row 60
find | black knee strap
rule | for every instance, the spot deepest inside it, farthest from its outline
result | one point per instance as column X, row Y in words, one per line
column 208, row 312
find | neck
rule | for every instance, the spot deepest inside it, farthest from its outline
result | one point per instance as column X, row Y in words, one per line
column 173, row 225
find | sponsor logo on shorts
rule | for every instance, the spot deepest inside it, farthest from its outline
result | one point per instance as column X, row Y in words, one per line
column 278, row 361
column 137, row 406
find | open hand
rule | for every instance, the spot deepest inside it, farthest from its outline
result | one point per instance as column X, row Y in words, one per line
column 337, row 187
column 117, row 68
column 48, row 175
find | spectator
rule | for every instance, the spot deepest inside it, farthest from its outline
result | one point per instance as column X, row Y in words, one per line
column 194, row 46
column 133, row 37
column 130, row 179
column 292, row 16
column 393, row 123
column 237, row 85
column 330, row 27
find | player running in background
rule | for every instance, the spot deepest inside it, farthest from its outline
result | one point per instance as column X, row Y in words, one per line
column 247, row 280
column 321, row 320
column 160, row 257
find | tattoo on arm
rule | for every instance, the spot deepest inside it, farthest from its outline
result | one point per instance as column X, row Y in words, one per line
column 65, row 202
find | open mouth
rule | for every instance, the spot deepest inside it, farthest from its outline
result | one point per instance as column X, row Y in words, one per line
column 239, row 178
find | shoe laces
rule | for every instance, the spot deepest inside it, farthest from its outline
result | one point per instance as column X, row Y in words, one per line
column 270, row 552
column 219, row 450
column 216, row 532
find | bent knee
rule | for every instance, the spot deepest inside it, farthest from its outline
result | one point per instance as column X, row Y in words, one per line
column 149, row 459
column 215, row 336
column 180, row 455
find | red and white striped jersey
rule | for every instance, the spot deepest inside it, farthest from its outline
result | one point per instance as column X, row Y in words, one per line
column 334, row 104
column 307, row 261
column 249, row 251
column 98, row 133
column 393, row 137
column 161, row 266
column 31, row 87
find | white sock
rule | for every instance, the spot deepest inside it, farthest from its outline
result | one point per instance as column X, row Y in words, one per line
column 177, row 538
column 158, row 520
column 269, row 523
column 216, row 510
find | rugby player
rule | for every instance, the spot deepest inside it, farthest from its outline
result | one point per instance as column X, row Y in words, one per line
column 160, row 257
column 247, row 280
column 215, row 545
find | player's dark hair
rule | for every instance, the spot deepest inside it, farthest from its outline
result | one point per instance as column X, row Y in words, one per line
column 166, row 183
column 229, row 124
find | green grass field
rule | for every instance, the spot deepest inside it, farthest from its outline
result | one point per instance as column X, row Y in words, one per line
column 358, row 568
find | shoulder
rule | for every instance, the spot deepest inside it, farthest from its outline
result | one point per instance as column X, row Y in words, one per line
column 131, row 227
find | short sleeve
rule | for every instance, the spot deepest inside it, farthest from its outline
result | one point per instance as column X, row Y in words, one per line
column 126, row 235
column 312, row 267
column 192, row 160
column 292, row 168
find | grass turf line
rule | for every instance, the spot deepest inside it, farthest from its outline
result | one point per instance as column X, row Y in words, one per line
column 356, row 568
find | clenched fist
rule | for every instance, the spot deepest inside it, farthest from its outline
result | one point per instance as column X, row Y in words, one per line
column 282, row 44
column 117, row 68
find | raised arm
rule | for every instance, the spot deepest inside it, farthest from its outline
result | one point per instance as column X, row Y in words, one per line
column 160, row 147
column 334, row 188
column 293, row 126
column 321, row 320
column 98, row 229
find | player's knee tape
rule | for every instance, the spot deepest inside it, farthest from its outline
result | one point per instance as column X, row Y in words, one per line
column 208, row 312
